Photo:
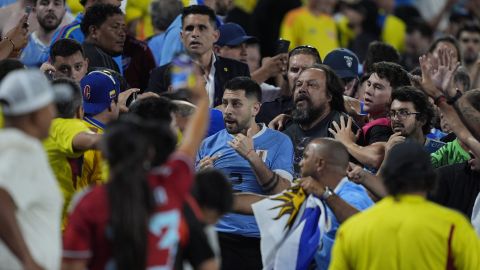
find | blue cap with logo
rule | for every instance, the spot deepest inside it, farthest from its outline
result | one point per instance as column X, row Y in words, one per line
column 99, row 89
column 344, row 62
column 232, row 34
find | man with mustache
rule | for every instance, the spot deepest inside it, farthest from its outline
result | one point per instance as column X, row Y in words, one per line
column 318, row 101
column 49, row 15
column 411, row 117
column 255, row 159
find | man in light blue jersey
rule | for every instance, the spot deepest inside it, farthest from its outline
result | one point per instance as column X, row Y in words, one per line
column 255, row 159
column 49, row 15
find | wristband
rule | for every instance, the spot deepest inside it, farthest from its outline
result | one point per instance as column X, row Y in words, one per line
column 439, row 99
column 11, row 42
column 327, row 193
column 454, row 99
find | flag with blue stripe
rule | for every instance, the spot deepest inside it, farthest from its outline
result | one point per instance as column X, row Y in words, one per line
column 291, row 225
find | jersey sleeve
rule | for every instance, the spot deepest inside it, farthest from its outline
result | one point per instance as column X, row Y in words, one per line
column 64, row 134
column 79, row 231
column 283, row 161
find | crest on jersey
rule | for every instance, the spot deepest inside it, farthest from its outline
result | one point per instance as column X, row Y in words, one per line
column 262, row 154
column 86, row 92
column 348, row 60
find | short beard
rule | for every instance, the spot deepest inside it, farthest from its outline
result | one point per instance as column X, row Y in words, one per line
column 470, row 60
column 241, row 126
column 308, row 115
column 48, row 27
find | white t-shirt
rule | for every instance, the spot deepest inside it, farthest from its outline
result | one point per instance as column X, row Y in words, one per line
column 26, row 175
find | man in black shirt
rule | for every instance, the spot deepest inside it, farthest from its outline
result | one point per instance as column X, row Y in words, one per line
column 318, row 102
column 458, row 186
column 299, row 59
column 104, row 29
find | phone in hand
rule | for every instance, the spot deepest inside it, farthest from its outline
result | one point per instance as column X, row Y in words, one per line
column 282, row 46
column 182, row 73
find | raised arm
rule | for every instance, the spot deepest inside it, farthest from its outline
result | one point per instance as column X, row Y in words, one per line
column 197, row 125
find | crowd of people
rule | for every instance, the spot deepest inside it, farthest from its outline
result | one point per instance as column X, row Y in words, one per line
column 167, row 137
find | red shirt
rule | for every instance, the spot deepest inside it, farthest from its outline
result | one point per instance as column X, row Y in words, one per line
column 87, row 236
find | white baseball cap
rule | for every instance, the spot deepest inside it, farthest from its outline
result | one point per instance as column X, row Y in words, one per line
column 25, row 91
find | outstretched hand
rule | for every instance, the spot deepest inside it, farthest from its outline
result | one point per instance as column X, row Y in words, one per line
column 343, row 132
column 438, row 72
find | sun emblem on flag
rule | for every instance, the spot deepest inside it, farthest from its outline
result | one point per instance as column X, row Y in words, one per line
column 292, row 200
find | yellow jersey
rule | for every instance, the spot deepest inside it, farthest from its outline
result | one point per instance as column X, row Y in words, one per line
column 407, row 232
column 302, row 27
column 94, row 169
column 66, row 163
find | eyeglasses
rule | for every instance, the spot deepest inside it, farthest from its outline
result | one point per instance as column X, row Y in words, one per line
column 401, row 115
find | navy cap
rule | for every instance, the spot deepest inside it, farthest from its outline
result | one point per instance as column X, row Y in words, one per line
column 344, row 62
column 99, row 89
column 232, row 34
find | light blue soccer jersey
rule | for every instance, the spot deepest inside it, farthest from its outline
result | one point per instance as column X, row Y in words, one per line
column 35, row 53
column 275, row 149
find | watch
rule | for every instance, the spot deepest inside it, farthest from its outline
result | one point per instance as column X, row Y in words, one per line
column 454, row 99
column 327, row 193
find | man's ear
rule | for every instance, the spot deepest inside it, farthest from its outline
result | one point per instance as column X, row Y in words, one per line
column 217, row 49
column 216, row 35
column 256, row 108
column 79, row 113
column 320, row 162
column 92, row 31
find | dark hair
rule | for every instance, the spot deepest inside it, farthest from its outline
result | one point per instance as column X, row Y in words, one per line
column 200, row 10
column 468, row 27
column 154, row 108
column 8, row 65
column 408, row 172
column 251, row 88
column 128, row 145
column 420, row 25
column 96, row 15
column 308, row 50
column 213, row 191
column 420, row 102
column 380, row 52
column 65, row 47
column 449, row 39
column 393, row 73
column 164, row 12
column 83, row 2
column 461, row 76
column 335, row 87
column 68, row 108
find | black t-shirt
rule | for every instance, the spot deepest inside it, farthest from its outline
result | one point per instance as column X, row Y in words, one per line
column 377, row 134
column 457, row 187
column 272, row 109
column 198, row 248
column 300, row 138
column 97, row 58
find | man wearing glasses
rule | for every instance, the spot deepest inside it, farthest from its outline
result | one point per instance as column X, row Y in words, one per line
column 411, row 117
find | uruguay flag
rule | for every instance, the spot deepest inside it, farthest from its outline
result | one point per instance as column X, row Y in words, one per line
column 291, row 225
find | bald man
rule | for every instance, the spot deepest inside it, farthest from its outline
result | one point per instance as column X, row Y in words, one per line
column 323, row 169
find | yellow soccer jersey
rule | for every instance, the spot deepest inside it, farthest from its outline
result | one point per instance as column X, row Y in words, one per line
column 94, row 170
column 406, row 233
column 301, row 27
column 65, row 162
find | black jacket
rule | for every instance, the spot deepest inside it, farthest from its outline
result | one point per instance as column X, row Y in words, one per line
column 225, row 70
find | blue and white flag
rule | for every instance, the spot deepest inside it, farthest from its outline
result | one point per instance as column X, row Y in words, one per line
column 291, row 226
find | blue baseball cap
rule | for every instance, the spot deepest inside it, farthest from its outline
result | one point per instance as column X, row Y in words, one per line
column 343, row 61
column 99, row 89
column 232, row 34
